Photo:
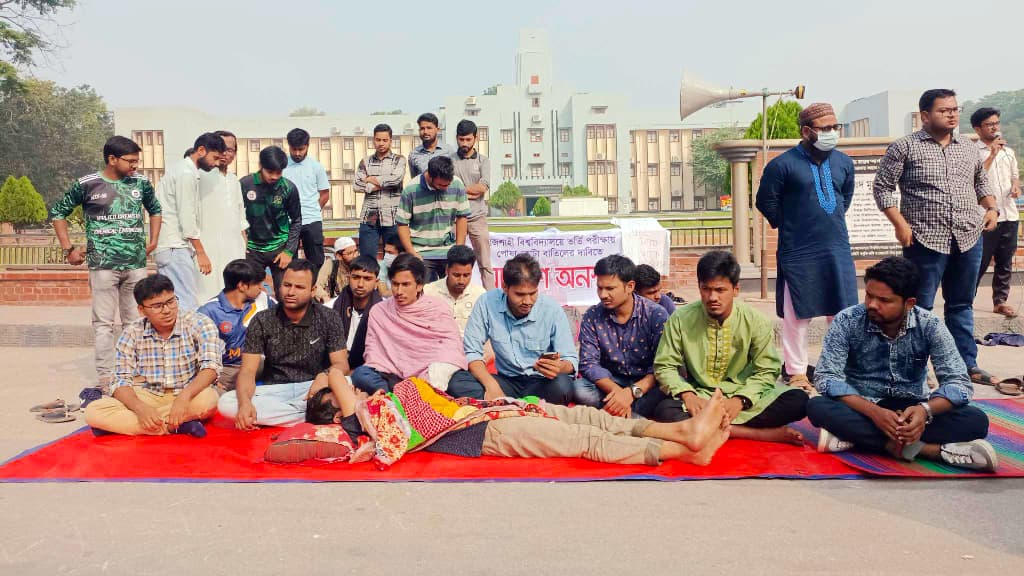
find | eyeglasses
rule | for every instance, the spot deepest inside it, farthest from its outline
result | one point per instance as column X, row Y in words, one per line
column 161, row 306
column 232, row 150
column 949, row 111
column 130, row 162
column 831, row 128
column 989, row 124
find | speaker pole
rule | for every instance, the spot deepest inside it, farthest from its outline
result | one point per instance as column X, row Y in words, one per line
column 764, row 222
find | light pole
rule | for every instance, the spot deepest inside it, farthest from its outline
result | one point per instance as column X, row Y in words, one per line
column 695, row 94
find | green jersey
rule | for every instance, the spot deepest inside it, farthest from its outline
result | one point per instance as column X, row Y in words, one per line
column 112, row 210
column 274, row 214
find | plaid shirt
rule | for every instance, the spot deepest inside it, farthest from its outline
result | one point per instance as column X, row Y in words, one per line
column 380, row 204
column 940, row 189
column 170, row 363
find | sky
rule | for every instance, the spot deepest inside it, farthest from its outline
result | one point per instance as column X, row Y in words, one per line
column 267, row 57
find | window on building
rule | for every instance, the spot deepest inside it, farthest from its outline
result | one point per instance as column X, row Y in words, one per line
column 696, row 134
column 632, row 170
column 673, row 136
column 508, row 171
column 610, row 167
column 536, row 135
column 254, row 145
column 149, row 138
column 325, row 143
column 677, row 204
column 563, row 134
column 591, row 168
column 535, row 102
column 347, row 143
column 482, row 132
column 653, row 205
column 609, row 131
column 630, row 136
column 472, row 111
column 652, row 169
column 915, row 121
column 565, row 170
column 652, row 137
column 348, row 175
column 860, row 128
column 598, row 109
column 536, row 170
column 350, row 212
column 396, row 145
column 506, row 136
column 160, row 138
column 677, row 169
column 591, row 132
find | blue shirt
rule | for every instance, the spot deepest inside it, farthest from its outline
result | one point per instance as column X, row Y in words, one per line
column 518, row 342
column 609, row 349
column 666, row 302
column 232, row 322
column 857, row 358
column 310, row 178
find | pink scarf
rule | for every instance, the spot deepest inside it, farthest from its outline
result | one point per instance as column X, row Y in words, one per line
column 406, row 340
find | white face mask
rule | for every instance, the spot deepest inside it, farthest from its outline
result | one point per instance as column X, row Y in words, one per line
column 827, row 140
column 389, row 258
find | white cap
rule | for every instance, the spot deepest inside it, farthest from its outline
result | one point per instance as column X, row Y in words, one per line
column 343, row 242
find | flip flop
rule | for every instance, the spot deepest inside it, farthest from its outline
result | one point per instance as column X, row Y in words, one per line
column 1010, row 386
column 1005, row 310
column 979, row 376
column 57, row 404
column 55, row 417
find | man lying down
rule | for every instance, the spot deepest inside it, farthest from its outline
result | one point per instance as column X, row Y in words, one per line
column 415, row 416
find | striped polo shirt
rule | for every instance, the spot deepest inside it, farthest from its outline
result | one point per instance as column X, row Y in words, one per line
column 430, row 215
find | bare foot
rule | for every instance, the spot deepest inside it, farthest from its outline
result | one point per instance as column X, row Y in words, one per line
column 703, row 458
column 782, row 434
column 695, row 432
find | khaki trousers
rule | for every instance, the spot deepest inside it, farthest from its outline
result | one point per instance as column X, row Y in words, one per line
column 111, row 415
column 480, row 238
column 578, row 432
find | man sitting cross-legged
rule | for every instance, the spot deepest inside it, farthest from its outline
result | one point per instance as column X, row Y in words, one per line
column 545, row 431
column 299, row 340
column 871, row 375
column 618, row 340
column 722, row 343
column 409, row 334
column 354, row 303
column 165, row 364
column 533, row 345
column 232, row 310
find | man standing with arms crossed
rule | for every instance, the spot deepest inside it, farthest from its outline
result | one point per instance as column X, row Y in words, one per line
column 1001, row 164
column 112, row 202
column 431, row 147
column 474, row 169
column 310, row 178
column 379, row 177
column 179, row 249
column 938, row 223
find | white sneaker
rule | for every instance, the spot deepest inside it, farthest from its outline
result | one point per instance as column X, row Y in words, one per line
column 829, row 442
column 974, row 455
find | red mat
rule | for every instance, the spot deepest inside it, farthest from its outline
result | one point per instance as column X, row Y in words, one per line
column 227, row 455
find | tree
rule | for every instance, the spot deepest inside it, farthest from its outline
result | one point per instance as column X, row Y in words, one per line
column 783, row 121
column 307, row 111
column 710, row 169
column 506, row 197
column 24, row 36
column 580, row 190
column 53, row 135
column 20, row 204
column 491, row 90
column 542, row 207
column 1011, row 116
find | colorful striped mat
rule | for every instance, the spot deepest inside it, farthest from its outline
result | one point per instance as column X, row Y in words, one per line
column 1005, row 433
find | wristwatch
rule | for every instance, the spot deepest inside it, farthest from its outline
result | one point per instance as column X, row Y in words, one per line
column 638, row 392
column 928, row 412
column 68, row 251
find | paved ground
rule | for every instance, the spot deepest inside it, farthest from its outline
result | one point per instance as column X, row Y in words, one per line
column 731, row 527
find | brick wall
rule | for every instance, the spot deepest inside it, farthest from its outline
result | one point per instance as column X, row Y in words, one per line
column 50, row 287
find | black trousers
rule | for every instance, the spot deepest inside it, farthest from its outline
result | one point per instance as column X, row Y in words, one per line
column 266, row 260
column 999, row 245
column 311, row 237
column 789, row 407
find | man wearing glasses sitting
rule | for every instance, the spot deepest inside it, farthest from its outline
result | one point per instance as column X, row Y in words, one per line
column 805, row 194
column 165, row 365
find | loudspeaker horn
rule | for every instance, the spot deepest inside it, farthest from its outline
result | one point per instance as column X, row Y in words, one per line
column 695, row 93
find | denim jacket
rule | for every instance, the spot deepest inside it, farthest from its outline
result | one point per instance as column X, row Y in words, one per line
column 858, row 358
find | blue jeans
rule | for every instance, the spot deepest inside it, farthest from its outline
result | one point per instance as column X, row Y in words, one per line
column 588, row 394
column 178, row 265
column 370, row 236
column 461, row 385
column 276, row 404
column 557, row 391
column 957, row 273
column 961, row 424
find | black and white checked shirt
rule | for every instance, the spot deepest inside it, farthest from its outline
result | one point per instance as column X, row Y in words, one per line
column 380, row 205
column 939, row 189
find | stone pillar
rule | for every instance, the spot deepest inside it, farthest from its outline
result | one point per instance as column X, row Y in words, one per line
column 738, row 158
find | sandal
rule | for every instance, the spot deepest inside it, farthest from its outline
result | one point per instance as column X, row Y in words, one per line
column 57, row 405
column 979, row 376
column 56, row 416
column 1005, row 310
column 1010, row 386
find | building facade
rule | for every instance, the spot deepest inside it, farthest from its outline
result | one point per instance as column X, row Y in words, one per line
column 888, row 114
column 539, row 134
